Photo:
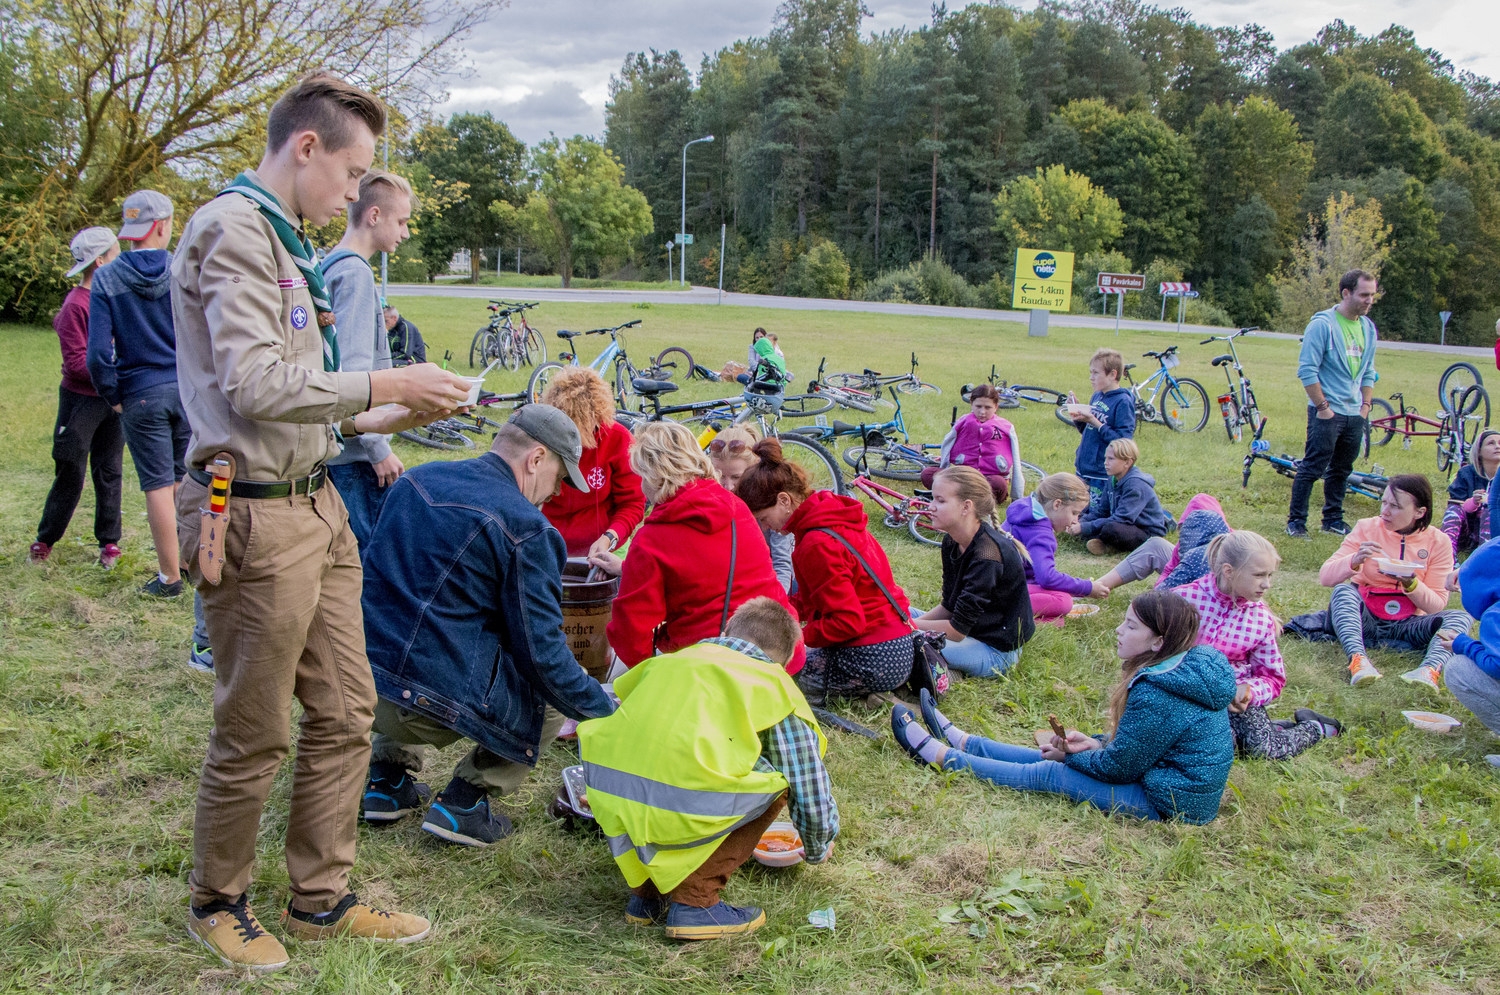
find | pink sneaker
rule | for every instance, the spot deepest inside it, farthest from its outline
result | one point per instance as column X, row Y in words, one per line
column 109, row 555
column 39, row 553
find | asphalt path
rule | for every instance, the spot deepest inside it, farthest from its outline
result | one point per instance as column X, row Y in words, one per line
column 708, row 295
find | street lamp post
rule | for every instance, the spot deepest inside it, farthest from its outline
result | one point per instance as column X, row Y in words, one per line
column 682, row 232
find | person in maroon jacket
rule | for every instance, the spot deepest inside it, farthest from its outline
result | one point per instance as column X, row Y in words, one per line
column 87, row 429
column 602, row 519
column 699, row 544
column 855, row 617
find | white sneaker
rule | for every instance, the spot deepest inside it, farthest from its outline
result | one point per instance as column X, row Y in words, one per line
column 1423, row 675
column 1361, row 670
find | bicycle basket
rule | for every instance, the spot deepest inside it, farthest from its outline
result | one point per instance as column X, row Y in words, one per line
column 1170, row 360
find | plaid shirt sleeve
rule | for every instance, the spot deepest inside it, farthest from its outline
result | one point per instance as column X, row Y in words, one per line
column 791, row 747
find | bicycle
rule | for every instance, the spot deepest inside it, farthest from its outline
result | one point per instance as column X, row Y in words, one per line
column 502, row 340
column 1456, row 429
column 612, row 364
column 1457, row 378
column 1184, row 406
column 871, row 381
column 1371, row 485
column 846, row 397
column 902, row 511
column 1238, row 406
column 1012, row 395
column 906, row 461
column 827, row 434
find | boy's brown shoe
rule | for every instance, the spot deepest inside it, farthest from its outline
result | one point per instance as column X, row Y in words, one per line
column 232, row 933
column 351, row 917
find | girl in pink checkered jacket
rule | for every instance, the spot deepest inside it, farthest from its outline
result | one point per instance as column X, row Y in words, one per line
column 1234, row 619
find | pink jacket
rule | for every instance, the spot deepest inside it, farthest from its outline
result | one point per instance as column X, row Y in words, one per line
column 1244, row 631
column 978, row 445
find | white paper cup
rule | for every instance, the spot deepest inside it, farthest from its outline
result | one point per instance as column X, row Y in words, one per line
column 476, row 384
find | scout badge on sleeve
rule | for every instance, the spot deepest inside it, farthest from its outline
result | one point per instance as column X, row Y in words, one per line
column 215, row 521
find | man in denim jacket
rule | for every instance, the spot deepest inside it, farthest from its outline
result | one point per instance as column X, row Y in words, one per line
column 463, row 625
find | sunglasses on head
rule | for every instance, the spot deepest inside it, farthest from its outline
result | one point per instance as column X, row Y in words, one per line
column 734, row 447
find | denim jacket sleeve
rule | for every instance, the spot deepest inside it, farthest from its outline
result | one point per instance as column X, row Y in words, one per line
column 542, row 656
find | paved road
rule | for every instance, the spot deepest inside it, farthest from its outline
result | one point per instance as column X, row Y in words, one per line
column 707, row 295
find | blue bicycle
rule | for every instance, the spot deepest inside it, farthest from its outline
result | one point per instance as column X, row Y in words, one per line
column 1179, row 403
column 829, row 434
column 613, row 365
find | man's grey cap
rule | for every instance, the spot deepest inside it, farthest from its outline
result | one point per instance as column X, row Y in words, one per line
column 143, row 209
column 88, row 245
column 556, row 431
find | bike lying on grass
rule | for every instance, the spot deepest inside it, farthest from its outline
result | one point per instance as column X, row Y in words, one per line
column 1371, row 484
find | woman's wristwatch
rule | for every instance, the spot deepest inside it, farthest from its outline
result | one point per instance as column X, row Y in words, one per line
column 614, row 539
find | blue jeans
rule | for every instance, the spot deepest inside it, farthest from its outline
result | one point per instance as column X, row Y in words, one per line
column 157, row 432
column 200, row 625
column 362, row 494
column 973, row 658
column 1024, row 770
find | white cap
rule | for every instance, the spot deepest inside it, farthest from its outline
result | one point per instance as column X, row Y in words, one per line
column 88, row 245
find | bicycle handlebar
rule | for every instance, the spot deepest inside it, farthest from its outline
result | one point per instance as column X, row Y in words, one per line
column 1232, row 337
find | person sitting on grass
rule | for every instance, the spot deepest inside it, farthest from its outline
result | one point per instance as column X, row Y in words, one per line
column 983, row 440
column 1390, row 586
column 855, row 618
column 1168, row 750
column 732, row 452
column 696, row 558
column 685, row 777
column 1053, row 508
column 1110, row 416
column 1127, row 512
column 1202, row 520
column 985, row 611
column 1234, row 619
column 1473, row 674
column 1466, row 521
column 602, row 519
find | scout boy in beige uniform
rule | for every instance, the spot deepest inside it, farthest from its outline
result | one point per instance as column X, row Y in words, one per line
column 279, row 570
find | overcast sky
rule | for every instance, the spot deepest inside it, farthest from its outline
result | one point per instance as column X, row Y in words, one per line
column 544, row 65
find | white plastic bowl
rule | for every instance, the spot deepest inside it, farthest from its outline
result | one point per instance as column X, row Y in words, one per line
column 787, row 858
column 1396, row 568
column 476, row 384
column 1432, row 721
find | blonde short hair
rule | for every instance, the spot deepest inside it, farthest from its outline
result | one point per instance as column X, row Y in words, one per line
column 377, row 188
column 1125, row 449
column 667, row 457
column 737, row 433
column 766, row 623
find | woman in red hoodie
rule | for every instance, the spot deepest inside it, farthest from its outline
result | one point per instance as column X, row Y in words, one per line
column 697, row 558
column 855, row 617
column 602, row 519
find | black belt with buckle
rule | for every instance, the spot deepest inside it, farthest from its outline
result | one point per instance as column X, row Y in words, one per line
column 267, row 489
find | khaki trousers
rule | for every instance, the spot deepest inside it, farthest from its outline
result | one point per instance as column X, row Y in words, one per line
column 701, row 888
column 405, row 737
column 285, row 622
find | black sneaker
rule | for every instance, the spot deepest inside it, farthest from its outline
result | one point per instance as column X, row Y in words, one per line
column 157, row 588
column 1296, row 530
column 472, row 826
column 1331, row 727
column 1337, row 528
column 392, row 794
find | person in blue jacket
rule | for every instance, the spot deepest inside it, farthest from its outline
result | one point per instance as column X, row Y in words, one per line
column 1169, row 750
column 1110, row 416
column 1473, row 672
column 1128, row 512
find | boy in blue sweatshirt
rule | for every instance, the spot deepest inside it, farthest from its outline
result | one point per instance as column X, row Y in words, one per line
column 1111, row 416
column 1473, row 673
column 1128, row 512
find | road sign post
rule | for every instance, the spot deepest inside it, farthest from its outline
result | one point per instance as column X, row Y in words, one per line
column 1119, row 283
column 1181, row 291
column 1043, row 282
column 1443, row 316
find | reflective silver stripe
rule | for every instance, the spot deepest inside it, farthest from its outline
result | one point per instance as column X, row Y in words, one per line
column 672, row 798
column 623, row 844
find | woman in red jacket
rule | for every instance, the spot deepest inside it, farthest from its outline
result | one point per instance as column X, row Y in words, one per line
column 860, row 642
column 602, row 519
column 697, row 558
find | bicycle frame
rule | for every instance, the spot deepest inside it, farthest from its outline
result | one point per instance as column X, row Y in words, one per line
column 1405, row 421
column 824, row 433
column 1371, row 485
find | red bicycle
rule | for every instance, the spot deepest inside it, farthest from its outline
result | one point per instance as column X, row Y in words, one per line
column 902, row 511
column 1463, row 416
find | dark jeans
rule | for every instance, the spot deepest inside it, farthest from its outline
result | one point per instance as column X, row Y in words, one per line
column 1122, row 536
column 87, row 429
column 157, row 429
column 362, row 495
column 1332, row 445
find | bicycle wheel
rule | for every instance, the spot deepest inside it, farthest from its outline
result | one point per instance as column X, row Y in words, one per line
column 1474, row 404
column 916, row 387
column 1379, row 427
column 1455, row 380
column 887, row 462
column 1185, row 406
column 533, row 348
column 625, row 396
column 1232, row 421
column 477, row 348
column 1033, row 471
column 856, row 380
column 511, row 355
column 1250, row 412
column 1039, row 395
column 805, row 405
column 540, row 378
column 438, row 436
column 1470, row 427
column 919, row 524
column 1447, row 441
column 674, row 362
column 822, row 469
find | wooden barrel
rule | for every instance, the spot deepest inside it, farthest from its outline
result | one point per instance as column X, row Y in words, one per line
column 586, row 609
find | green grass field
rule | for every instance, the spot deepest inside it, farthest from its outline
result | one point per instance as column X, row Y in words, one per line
column 1368, row 864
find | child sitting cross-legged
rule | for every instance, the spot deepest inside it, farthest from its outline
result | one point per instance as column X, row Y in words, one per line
column 1052, row 508
column 1168, row 752
column 1234, row 619
column 1127, row 511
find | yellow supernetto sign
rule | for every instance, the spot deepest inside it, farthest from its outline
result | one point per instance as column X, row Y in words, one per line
column 1044, row 279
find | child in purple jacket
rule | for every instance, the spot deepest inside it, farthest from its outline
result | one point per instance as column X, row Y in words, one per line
column 1053, row 508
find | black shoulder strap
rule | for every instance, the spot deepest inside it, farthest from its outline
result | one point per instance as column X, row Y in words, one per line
column 734, row 548
column 878, row 583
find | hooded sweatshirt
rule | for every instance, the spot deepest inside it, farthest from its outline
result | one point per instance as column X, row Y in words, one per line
column 836, row 598
column 677, row 572
column 1131, row 500
column 1116, row 409
column 132, row 345
column 1465, row 521
column 1427, row 547
column 1479, row 582
column 614, row 500
column 1173, row 738
column 1027, row 520
column 1198, row 502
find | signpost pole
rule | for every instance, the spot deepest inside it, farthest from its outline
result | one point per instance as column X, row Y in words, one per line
column 1119, row 310
column 1163, row 308
column 722, row 229
column 1037, row 329
column 1443, row 334
column 1181, row 310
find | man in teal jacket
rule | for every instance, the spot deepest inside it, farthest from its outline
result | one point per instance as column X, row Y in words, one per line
column 1337, row 369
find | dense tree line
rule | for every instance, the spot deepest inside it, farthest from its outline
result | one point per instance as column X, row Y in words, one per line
column 1218, row 151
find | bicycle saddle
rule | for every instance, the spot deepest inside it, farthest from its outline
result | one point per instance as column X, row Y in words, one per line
column 563, row 333
column 763, row 388
column 651, row 388
column 844, row 428
column 870, row 373
column 1221, row 360
column 1129, row 366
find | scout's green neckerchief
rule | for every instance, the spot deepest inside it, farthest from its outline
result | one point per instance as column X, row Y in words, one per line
column 301, row 251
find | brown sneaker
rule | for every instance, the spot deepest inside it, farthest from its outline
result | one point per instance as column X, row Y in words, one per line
column 232, row 933
column 1096, row 546
column 352, row 917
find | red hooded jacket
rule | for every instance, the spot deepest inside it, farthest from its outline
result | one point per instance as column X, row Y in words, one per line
column 677, row 571
column 840, row 604
column 614, row 500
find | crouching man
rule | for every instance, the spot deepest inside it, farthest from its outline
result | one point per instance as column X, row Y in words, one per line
column 706, row 747
column 463, row 626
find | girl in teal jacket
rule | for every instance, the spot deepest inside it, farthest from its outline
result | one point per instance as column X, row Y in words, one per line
column 1169, row 750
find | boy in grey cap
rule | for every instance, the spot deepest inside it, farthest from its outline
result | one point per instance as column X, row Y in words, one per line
column 463, row 626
